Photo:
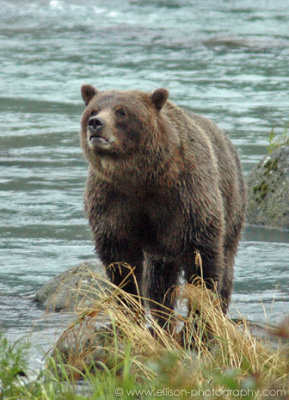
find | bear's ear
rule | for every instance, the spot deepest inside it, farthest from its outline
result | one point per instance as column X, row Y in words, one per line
column 87, row 93
column 159, row 98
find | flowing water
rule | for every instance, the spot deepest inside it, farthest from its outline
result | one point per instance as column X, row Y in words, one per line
column 227, row 60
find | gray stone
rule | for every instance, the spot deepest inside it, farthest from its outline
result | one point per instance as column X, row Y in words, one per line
column 268, row 190
column 86, row 343
column 74, row 288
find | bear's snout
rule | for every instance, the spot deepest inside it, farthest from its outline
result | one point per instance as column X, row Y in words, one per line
column 95, row 124
column 98, row 135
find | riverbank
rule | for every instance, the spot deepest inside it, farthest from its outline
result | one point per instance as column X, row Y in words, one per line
column 120, row 358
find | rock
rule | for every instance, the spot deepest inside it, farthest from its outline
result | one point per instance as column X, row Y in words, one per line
column 77, row 287
column 85, row 344
column 268, row 190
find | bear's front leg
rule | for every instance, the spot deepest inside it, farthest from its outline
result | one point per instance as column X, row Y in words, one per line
column 115, row 253
column 160, row 282
column 208, row 264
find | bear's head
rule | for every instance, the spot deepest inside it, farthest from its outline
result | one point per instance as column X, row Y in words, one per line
column 119, row 124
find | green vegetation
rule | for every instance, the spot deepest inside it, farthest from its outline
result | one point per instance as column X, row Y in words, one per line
column 261, row 191
column 210, row 357
column 16, row 380
column 13, row 365
column 277, row 141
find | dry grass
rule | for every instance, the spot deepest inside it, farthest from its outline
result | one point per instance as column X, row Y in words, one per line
column 202, row 350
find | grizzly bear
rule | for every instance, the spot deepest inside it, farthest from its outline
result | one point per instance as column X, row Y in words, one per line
column 163, row 184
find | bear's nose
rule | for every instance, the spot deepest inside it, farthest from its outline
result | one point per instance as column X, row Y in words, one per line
column 95, row 124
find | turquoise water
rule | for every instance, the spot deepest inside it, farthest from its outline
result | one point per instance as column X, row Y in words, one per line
column 227, row 60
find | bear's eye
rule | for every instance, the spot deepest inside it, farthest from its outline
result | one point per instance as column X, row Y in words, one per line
column 93, row 113
column 120, row 112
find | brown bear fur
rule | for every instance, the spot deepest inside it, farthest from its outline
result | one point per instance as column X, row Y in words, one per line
column 163, row 183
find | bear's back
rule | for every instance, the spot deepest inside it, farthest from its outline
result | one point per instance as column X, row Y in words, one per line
column 232, row 183
column 228, row 167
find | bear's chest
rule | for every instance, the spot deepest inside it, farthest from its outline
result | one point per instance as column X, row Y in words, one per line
column 163, row 225
column 159, row 223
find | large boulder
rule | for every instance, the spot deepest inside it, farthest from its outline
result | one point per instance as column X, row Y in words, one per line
column 74, row 288
column 268, row 191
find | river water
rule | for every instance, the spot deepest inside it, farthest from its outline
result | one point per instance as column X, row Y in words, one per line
column 227, row 60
